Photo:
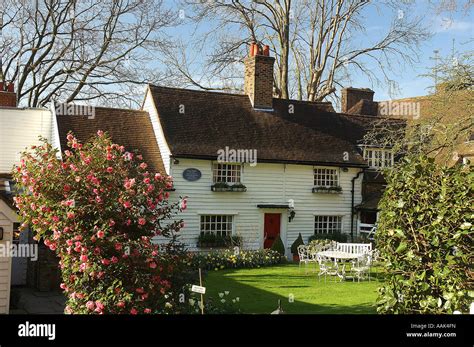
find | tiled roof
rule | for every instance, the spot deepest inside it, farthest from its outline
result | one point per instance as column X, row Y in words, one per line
column 294, row 132
column 130, row 128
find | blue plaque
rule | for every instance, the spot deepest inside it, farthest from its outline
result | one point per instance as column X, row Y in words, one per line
column 191, row 174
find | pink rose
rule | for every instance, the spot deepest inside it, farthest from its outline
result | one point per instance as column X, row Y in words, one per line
column 133, row 311
column 153, row 265
column 147, row 310
column 146, row 180
column 110, row 169
column 106, row 262
column 141, row 221
column 70, row 215
column 143, row 166
column 83, row 258
column 127, row 204
column 114, row 259
column 100, row 234
column 121, row 304
column 100, row 133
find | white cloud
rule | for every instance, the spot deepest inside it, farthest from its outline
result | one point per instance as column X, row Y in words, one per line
column 447, row 25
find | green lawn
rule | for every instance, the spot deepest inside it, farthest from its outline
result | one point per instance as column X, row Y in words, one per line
column 259, row 290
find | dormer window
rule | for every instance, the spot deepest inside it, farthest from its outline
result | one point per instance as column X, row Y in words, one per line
column 378, row 158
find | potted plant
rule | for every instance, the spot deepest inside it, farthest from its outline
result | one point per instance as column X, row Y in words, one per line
column 278, row 246
column 239, row 187
column 220, row 187
column 294, row 247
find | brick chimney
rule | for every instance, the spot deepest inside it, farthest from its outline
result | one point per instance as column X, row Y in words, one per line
column 7, row 95
column 351, row 96
column 258, row 83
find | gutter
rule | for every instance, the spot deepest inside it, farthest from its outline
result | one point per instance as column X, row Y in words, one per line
column 279, row 161
column 352, row 202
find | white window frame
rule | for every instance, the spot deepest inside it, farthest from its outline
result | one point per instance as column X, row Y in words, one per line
column 327, row 175
column 378, row 158
column 216, row 167
column 329, row 219
column 207, row 220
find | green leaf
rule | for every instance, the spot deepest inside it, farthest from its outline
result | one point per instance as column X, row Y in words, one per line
column 401, row 247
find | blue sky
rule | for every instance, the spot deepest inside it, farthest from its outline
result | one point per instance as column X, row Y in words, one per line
column 445, row 27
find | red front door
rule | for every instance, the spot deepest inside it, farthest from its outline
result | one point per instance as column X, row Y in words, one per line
column 271, row 229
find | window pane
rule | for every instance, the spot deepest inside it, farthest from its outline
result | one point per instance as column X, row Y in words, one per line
column 217, row 224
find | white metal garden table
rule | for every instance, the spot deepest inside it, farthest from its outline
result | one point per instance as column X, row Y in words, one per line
column 339, row 255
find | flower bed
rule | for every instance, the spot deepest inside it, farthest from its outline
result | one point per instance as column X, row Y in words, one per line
column 228, row 259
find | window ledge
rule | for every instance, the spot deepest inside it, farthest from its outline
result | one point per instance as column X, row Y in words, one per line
column 229, row 189
column 327, row 190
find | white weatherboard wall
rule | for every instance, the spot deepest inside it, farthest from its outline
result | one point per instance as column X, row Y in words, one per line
column 266, row 183
column 7, row 217
column 20, row 128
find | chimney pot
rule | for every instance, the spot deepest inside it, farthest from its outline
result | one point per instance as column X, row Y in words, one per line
column 7, row 94
column 258, row 84
column 266, row 50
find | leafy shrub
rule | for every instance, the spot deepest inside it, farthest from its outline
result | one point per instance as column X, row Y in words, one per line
column 425, row 238
column 98, row 209
column 321, row 245
column 278, row 246
column 229, row 259
column 298, row 242
column 339, row 237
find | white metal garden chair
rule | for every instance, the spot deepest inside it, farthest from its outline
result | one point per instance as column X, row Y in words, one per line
column 361, row 267
column 305, row 256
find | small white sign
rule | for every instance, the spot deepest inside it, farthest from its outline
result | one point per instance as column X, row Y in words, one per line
column 198, row 289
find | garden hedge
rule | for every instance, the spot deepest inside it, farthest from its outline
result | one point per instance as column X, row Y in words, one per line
column 425, row 238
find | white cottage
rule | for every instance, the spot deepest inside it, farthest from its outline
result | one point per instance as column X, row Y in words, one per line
column 250, row 164
column 291, row 166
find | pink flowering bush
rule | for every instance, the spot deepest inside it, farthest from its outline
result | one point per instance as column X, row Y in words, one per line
column 98, row 208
